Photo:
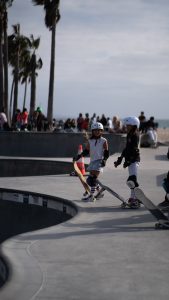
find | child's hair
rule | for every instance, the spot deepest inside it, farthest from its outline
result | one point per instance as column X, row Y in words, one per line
column 86, row 136
column 133, row 129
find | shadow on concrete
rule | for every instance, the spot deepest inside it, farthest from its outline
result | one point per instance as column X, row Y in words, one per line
column 17, row 218
column 110, row 225
column 161, row 157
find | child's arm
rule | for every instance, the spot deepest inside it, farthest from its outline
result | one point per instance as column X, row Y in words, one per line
column 105, row 153
column 84, row 153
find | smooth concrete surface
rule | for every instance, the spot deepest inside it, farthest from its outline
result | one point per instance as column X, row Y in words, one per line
column 104, row 253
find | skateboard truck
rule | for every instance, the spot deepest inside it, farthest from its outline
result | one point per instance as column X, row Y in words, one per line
column 163, row 220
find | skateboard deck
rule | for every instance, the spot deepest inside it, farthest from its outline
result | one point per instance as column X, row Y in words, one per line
column 106, row 188
column 163, row 221
column 81, row 177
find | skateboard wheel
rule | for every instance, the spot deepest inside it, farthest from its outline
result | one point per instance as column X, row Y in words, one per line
column 123, row 205
column 157, row 226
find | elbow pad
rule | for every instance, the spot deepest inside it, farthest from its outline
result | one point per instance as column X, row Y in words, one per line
column 85, row 152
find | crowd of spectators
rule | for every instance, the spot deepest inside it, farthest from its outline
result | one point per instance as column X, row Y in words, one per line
column 22, row 121
column 83, row 123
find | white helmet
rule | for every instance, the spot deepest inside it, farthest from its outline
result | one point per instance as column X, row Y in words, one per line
column 134, row 121
column 96, row 126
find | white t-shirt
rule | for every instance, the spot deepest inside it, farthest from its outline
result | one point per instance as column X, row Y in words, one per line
column 3, row 119
column 109, row 124
column 96, row 148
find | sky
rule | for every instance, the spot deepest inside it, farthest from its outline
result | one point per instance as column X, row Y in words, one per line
column 111, row 57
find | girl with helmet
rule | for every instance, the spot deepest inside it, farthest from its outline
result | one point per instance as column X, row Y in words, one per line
column 97, row 148
column 131, row 155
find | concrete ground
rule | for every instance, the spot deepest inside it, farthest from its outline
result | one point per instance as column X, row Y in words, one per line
column 104, row 253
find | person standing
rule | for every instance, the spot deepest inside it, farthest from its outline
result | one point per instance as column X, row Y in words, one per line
column 3, row 120
column 131, row 155
column 142, row 119
column 97, row 148
column 80, row 121
column 24, row 119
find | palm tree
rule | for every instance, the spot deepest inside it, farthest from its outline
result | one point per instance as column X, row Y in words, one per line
column 18, row 46
column 35, row 64
column 52, row 17
column 4, row 4
column 24, row 77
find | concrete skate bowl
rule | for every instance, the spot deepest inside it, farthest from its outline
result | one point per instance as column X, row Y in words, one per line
column 22, row 212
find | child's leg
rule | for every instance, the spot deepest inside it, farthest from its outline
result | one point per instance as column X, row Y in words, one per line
column 132, row 179
column 92, row 182
column 165, row 184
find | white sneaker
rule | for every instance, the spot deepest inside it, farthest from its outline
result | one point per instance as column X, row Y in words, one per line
column 90, row 198
column 85, row 196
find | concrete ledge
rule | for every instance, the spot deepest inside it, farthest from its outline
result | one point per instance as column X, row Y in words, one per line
column 37, row 144
column 30, row 167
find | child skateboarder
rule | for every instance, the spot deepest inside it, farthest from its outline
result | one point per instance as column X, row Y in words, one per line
column 97, row 148
column 131, row 155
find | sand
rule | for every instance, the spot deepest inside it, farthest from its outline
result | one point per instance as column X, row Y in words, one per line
column 163, row 135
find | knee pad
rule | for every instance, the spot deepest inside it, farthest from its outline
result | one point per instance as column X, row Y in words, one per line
column 91, row 180
column 132, row 182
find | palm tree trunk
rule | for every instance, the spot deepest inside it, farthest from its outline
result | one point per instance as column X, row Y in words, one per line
column 1, row 66
column 25, row 92
column 15, row 101
column 33, row 86
column 6, row 65
column 16, row 77
column 51, row 80
column 10, row 106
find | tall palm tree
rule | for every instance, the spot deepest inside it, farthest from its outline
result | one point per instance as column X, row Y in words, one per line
column 18, row 45
column 24, row 77
column 4, row 4
column 35, row 64
column 52, row 17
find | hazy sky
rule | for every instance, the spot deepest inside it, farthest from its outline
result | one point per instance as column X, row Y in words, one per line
column 112, row 56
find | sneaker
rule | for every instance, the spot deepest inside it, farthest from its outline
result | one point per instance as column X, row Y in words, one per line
column 85, row 196
column 164, row 204
column 90, row 198
column 133, row 203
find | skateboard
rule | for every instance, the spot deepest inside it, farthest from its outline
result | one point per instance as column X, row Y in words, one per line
column 81, row 177
column 106, row 188
column 163, row 221
column 103, row 188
